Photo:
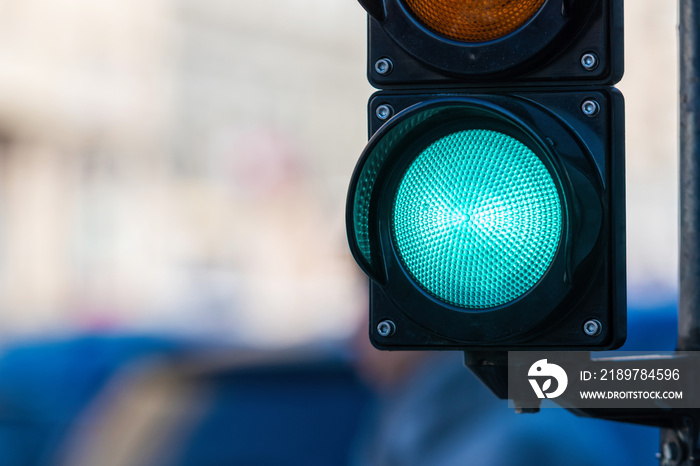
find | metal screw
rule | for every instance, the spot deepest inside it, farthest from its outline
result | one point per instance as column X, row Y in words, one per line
column 590, row 108
column 384, row 111
column 671, row 453
column 589, row 61
column 592, row 328
column 386, row 328
column 383, row 66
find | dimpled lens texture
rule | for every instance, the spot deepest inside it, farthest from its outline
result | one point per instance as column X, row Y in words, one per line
column 477, row 219
column 474, row 20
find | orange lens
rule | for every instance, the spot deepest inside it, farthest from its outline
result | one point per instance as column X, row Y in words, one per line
column 474, row 20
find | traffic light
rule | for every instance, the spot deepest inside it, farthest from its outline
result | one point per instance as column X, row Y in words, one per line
column 488, row 206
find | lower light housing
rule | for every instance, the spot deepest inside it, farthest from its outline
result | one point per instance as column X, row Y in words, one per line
column 483, row 221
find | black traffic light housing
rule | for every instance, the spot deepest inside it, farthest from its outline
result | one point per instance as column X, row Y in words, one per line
column 540, row 93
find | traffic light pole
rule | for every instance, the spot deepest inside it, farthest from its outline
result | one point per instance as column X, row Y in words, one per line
column 682, row 440
column 689, row 301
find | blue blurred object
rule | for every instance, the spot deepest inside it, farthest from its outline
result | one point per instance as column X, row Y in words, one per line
column 44, row 386
column 652, row 329
column 311, row 409
column 295, row 414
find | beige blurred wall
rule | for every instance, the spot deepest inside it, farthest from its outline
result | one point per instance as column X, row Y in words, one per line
column 650, row 86
column 180, row 166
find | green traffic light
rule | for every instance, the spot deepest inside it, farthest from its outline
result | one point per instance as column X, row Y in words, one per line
column 477, row 219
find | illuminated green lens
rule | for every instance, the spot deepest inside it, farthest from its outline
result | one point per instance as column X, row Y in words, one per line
column 477, row 219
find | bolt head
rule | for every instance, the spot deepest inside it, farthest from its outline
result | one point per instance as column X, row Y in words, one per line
column 590, row 108
column 386, row 328
column 592, row 328
column 383, row 66
column 589, row 61
column 384, row 112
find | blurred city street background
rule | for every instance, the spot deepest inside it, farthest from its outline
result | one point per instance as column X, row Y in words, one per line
column 180, row 166
column 178, row 169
